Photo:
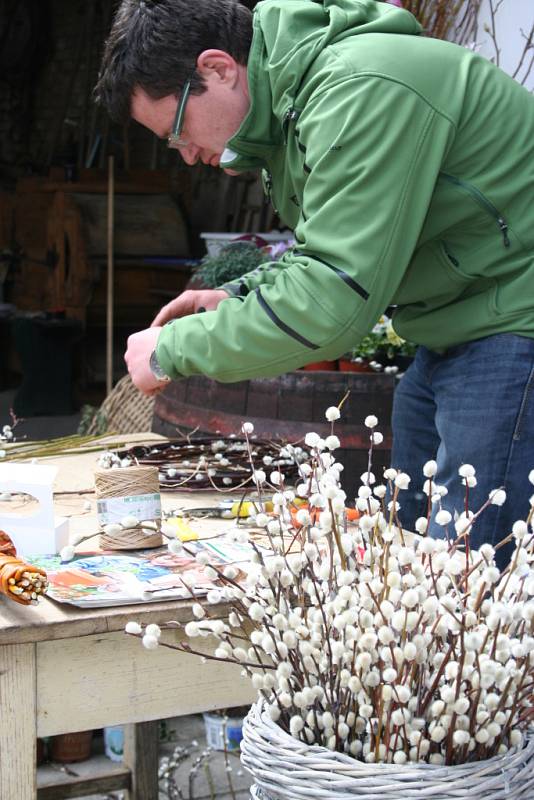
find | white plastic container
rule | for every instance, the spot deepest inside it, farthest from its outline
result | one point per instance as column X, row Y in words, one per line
column 217, row 726
column 114, row 742
column 216, row 241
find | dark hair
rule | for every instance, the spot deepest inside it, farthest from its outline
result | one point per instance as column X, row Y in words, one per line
column 154, row 44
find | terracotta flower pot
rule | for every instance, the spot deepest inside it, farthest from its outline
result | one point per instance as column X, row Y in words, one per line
column 316, row 366
column 69, row 747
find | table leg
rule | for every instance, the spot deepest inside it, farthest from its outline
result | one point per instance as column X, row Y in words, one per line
column 141, row 756
column 18, row 722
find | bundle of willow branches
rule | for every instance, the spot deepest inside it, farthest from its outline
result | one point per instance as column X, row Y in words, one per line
column 455, row 20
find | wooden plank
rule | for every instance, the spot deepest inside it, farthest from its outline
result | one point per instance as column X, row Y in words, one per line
column 141, row 756
column 17, row 728
column 105, row 781
column 112, row 679
column 51, row 621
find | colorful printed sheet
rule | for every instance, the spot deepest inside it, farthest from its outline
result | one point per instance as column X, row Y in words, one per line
column 108, row 578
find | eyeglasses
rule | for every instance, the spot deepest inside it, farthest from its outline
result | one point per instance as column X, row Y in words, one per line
column 174, row 140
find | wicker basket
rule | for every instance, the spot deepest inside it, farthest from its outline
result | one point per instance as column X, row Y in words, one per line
column 125, row 410
column 286, row 769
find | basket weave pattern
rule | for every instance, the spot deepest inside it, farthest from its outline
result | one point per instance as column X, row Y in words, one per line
column 286, row 769
column 125, row 410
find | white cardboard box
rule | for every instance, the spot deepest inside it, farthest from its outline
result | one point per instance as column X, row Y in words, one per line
column 40, row 531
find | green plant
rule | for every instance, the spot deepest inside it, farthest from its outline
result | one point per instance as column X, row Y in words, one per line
column 383, row 342
column 233, row 260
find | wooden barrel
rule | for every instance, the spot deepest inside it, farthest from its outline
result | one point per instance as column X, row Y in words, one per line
column 286, row 407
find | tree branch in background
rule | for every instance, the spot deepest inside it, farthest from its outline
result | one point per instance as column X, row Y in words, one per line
column 529, row 45
column 492, row 28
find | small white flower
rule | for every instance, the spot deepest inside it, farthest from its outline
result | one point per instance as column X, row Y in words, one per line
column 371, row 421
column 198, row 611
column 470, row 481
column 332, row 413
column 312, row 439
column 276, row 478
column 421, row 525
column 67, row 553
column 256, row 612
column 531, row 476
column 402, row 481
column 438, row 734
column 377, row 437
column 466, row 471
column 390, row 474
column 497, row 497
column 129, row 521
column 150, row 642
column 443, row 517
column 520, row 529
column 134, row 628
column 259, row 476
column 247, row 427
column 112, row 529
column 296, row 724
column 153, row 630
column 332, row 442
column 463, row 523
column 430, row 469
column 460, row 738
column 410, row 598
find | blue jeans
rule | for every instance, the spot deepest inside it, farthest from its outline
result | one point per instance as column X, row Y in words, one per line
column 472, row 405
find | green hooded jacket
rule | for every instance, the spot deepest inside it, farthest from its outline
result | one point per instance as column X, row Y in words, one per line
column 405, row 167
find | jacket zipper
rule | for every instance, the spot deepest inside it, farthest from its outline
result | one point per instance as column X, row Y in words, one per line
column 483, row 202
column 449, row 255
column 267, row 183
column 291, row 115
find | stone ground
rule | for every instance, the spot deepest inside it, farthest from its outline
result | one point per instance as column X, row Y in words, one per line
column 218, row 776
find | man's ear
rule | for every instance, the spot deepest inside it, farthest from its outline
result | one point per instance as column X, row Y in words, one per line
column 217, row 63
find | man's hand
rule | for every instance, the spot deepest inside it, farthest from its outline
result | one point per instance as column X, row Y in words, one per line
column 137, row 357
column 189, row 302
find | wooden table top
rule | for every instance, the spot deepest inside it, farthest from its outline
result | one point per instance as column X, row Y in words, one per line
column 50, row 620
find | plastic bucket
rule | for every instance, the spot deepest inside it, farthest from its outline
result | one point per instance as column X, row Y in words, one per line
column 219, row 728
column 114, row 742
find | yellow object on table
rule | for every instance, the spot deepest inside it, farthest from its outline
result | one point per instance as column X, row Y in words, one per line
column 183, row 531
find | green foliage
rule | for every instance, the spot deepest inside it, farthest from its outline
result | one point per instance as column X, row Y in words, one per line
column 384, row 343
column 234, row 260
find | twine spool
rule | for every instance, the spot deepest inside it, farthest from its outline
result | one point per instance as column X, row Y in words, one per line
column 129, row 491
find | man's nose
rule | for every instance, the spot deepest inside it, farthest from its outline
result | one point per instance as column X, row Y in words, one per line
column 189, row 154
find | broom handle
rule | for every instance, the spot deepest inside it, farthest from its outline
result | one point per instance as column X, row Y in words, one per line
column 109, row 309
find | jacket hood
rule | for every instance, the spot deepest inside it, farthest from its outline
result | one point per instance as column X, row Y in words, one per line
column 288, row 35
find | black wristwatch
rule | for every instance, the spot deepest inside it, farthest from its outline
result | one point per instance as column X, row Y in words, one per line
column 156, row 368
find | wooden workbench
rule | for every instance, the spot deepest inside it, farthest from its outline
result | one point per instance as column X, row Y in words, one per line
column 64, row 669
